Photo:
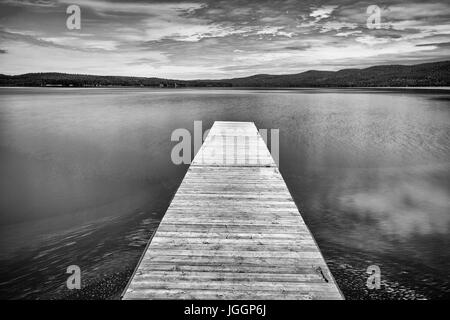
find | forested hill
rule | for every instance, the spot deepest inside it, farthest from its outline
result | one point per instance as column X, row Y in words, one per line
column 427, row 74
column 76, row 80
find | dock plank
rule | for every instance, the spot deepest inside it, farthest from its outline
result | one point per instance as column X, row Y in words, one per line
column 232, row 231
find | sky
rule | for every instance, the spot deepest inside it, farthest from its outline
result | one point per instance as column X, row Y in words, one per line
column 214, row 39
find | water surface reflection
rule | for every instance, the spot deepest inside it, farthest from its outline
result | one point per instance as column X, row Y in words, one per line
column 87, row 177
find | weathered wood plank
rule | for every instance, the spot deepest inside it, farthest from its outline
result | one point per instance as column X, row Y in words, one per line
column 234, row 260
column 232, row 231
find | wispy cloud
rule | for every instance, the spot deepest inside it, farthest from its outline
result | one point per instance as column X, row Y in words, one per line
column 35, row 3
column 436, row 44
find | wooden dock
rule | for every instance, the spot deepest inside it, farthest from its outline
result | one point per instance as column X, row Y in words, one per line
column 232, row 231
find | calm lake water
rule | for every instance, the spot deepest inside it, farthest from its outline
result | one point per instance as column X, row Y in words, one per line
column 87, row 176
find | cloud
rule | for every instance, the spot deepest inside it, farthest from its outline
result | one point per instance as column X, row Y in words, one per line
column 274, row 31
column 26, row 37
column 185, row 39
column 371, row 40
column 337, row 26
column 347, row 33
column 416, row 11
column 435, row 44
column 158, row 59
column 77, row 43
column 159, row 9
column 34, row 3
column 82, row 43
column 404, row 208
column 322, row 12
column 298, row 47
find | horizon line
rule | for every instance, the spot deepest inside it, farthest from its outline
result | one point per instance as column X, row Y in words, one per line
column 221, row 79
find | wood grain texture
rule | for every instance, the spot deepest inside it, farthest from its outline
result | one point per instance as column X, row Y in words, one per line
column 232, row 231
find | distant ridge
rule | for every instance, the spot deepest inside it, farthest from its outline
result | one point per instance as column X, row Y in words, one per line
column 423, row 75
